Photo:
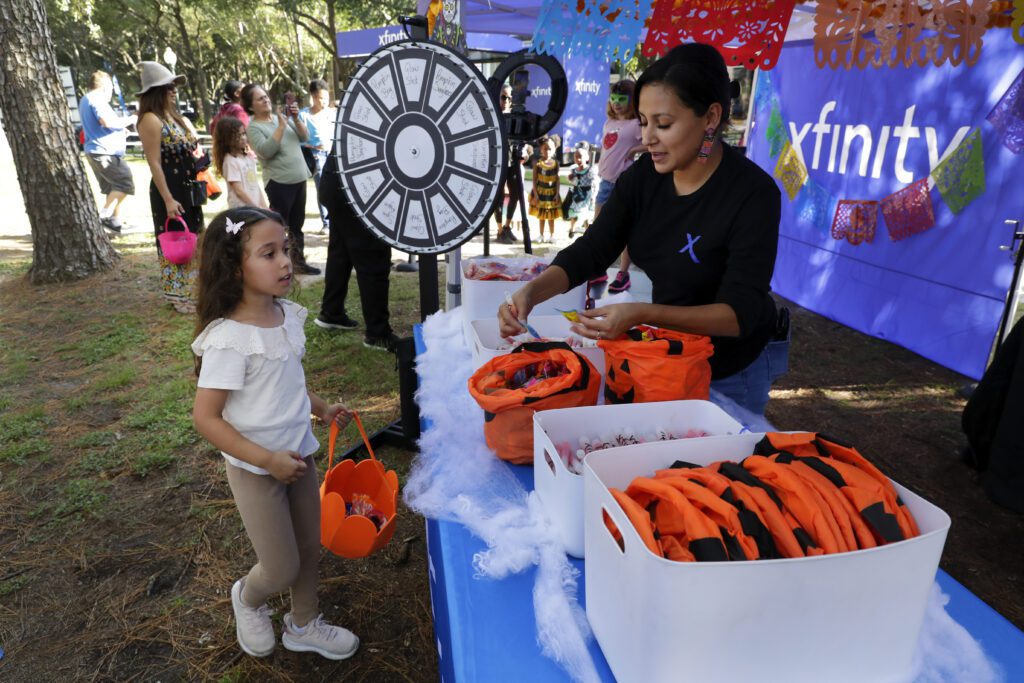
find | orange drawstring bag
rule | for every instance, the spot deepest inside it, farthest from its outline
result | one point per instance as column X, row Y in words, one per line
column 650, row 364
column 364, row 484
column 508, row 413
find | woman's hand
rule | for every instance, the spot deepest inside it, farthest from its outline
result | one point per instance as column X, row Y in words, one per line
column 608, row 322
column 292, row 110
column 509, row 315
column 174, row 208
column 281, row 120
column 337, row 412
column 286, row 466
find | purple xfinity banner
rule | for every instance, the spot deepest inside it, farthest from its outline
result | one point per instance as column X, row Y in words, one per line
column 586, row 105
column 362, row 42
column 921, row 268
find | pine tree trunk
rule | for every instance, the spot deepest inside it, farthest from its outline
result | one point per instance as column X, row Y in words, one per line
column 68, row 242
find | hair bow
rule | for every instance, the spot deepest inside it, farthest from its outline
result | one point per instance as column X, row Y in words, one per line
column 232, row 227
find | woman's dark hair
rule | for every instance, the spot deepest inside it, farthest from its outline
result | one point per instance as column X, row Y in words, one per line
column 220, row 264
column 623, row 86
column 154, row 101
column 697, row 74
column 317, row 85
column 224, row 135
column 230, row 88
column 247, row 92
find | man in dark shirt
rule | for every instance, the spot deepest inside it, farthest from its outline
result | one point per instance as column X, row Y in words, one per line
column 352, row 245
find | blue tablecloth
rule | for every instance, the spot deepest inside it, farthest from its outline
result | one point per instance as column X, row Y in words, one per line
column 486, row 629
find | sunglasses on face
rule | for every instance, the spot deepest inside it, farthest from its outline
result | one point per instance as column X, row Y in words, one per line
column 621, row 99
column 505, row 98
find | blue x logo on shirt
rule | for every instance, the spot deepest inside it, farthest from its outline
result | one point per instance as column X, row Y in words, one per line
column 691, row 242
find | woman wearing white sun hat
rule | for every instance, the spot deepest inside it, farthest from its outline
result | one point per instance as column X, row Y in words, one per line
column 170, row 143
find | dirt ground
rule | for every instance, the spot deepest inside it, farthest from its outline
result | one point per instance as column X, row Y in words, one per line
column 129, row 580
column 903, row 412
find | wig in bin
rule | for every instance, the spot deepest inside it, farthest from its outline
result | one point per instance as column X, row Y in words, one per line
column 508, row 413
column 650, row 364
column 348, row 489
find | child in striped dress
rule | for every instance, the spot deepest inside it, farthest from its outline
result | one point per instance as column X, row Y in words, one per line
column 545, row 198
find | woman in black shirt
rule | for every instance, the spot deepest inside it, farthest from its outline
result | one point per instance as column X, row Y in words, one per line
column 697, row 216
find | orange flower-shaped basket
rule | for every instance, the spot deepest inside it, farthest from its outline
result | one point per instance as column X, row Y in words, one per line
column 350, row 535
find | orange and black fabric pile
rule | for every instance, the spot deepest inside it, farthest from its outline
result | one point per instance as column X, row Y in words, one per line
column 798, row 495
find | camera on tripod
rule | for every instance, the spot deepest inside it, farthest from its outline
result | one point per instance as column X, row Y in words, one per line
column 520, row 123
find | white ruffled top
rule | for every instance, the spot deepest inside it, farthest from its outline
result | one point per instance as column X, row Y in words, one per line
column 261, row 368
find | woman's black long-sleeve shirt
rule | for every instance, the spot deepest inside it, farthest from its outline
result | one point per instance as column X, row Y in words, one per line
column 716, row 245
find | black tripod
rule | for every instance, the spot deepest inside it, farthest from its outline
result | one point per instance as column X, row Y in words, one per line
column 1016, row 246
column 1016, row 243
column 513, row 180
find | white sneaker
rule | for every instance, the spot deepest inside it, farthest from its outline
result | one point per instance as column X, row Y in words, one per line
column 252, row 624
column 332, row 642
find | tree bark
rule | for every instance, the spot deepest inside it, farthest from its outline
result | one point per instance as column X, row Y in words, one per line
column 68, row 242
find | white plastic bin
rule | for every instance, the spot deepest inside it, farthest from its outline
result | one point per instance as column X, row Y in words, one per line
column 843, row 618
column 561, row 490
column 481, row 298
column 484, row 340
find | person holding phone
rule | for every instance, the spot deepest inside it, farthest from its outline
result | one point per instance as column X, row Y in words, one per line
column 276, row 138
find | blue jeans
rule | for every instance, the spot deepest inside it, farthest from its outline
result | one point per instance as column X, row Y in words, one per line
column 320, row 156
column 749, row 387
column 604, row 191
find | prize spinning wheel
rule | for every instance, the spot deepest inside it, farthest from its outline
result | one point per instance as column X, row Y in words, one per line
column 420, row 147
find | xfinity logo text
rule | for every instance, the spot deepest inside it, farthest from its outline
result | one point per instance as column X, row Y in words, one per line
column 541, row 92
column 388, row 37
column 873, row 144
column 584, row 86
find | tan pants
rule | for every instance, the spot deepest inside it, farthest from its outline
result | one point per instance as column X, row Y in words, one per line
column 283, row 524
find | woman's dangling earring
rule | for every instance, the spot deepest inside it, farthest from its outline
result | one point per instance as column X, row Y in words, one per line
column 705, row 147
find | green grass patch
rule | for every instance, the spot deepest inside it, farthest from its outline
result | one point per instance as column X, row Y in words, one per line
column 149, row 460
column 80, row 497
column 122, row 333
column 19, row 452
column 117, row 378
column 13, row 585
column 79, row 402
column 95, row 462
column 5, row 403
column 235, row 676
column 15, row 365
column 26, row 424
column 15, row 268
column 95, row 439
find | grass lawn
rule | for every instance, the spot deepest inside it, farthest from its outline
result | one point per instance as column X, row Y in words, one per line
column 119, row 536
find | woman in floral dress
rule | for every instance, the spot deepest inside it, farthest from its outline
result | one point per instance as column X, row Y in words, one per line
column 170, row 143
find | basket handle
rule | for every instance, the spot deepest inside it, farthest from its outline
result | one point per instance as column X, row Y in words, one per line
column 333, row 438
column 167, row 223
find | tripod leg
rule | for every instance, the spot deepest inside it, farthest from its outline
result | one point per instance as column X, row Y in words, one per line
column 527, row 245
column 520, row 202
column 487, row 237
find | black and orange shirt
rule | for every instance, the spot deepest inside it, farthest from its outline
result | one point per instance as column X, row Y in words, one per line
column 716, row 245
